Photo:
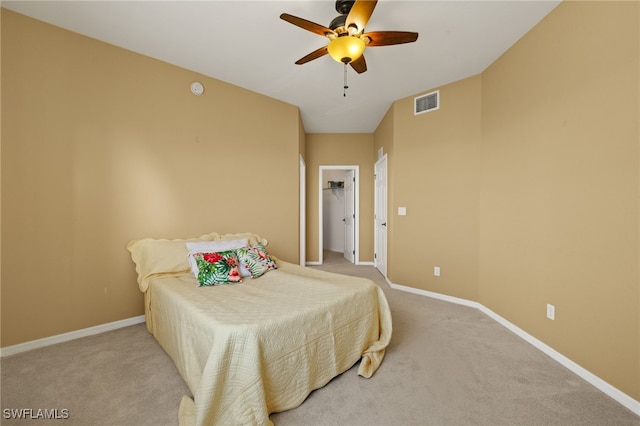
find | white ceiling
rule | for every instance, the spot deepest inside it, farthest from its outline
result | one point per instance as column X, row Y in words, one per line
column 246, row 43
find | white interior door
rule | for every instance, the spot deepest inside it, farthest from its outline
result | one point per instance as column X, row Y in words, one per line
column 349, row 216
column 380, row 204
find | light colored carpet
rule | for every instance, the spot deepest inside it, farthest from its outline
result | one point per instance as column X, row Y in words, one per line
column 446, row 365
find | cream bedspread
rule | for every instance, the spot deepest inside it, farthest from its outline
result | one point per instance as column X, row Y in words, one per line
column 250, row 349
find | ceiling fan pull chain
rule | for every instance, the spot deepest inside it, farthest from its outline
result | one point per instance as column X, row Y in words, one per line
column 344, row 92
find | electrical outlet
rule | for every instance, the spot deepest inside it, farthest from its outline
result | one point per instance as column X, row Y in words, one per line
column 551, row 312
column 436, row 271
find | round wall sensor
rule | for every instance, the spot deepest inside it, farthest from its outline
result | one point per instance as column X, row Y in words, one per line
column 197, row 88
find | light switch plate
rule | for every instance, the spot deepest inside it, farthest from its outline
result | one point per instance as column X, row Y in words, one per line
column 402, row 211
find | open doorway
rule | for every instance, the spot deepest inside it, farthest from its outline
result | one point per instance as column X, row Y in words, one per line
column 338, row 216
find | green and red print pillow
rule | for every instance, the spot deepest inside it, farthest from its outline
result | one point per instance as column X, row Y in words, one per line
column 217, row 268
column 255, row 259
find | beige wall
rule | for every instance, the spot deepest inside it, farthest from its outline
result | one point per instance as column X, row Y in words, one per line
column 302, row 138
column 435, row 176
column 524, row 188
column 330, row 149
column 101, row 146
column 559, row 203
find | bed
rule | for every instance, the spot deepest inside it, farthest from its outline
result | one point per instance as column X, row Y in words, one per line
column 249, row 349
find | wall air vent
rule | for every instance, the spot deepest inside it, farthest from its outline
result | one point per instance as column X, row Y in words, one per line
column 426, row 103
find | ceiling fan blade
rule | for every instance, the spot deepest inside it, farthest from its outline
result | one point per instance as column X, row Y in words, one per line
column 359, row 15
column 308, row 25
column 360, row 65
column 386, row 38
column 313, row 55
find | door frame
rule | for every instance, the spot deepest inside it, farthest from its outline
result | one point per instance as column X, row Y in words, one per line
column 356, row 221
column 303, row 212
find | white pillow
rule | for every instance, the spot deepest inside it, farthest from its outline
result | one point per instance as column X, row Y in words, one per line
column 211, row 247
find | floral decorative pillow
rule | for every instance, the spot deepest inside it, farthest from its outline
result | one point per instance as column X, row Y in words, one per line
column 255, row 259
column 217, row 268
column 211, row 247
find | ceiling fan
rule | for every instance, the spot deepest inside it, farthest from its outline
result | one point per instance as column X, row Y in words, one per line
column 347, row 39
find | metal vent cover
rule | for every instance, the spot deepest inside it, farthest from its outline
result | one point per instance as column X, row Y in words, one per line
column 426, row 103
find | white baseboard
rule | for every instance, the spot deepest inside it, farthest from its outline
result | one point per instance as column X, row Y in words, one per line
column 72, row 335
column 591, row 378
column 313, row 263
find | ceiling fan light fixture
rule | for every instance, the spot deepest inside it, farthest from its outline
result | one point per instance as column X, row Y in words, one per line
column 347, row 39
column 346, row 49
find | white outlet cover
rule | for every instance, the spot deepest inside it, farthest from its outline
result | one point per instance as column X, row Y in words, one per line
column 551, row 312
column 402, row 211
